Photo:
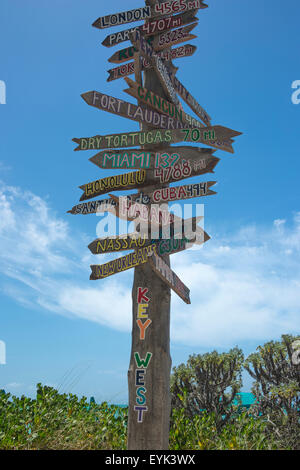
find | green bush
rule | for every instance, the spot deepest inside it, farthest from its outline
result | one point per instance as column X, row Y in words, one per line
column 55, row 421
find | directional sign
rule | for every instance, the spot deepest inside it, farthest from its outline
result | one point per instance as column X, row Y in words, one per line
column 158, row 43
column 148, row 12
column 169, row 277
column 118, row 265
column 118, row 243
column 169, row 194
column 149, row 98
column 145, row 178
column 190, row 100
column 175, row 193
column 181, row 228
column 127, row 69
column 151, row 27
column 138, row 14
column 135, row 241
column 136, row 159
column 122, row 108
column 159, row 65
column 206, row 135
column 162, row 105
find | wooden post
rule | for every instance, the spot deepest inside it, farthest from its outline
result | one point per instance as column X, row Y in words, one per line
column 149, row 386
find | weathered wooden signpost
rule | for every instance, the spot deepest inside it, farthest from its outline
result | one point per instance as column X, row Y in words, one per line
column 157, row 164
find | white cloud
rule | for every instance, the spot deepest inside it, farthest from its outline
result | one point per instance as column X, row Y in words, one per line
column 244, row 285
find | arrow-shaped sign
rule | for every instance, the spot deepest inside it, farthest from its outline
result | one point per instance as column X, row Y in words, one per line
column 145, row 178
column 147, row 12
column 175, row 193
column 158, row 43
column 206, row 135
column 137, row 159
column 149, row 98
column 169, row 277
column 128, row 68
column 156, row 26
column 138, row 257
column 135, row 241
column 122, row 108
column 159, row 65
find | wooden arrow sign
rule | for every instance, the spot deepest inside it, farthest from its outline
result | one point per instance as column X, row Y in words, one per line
column 141, row 114
column 190, row 100
column 145, row 178
column 135, row 241
column 127, row 69
column 158, row 43
column 175, row 193
column 169, row 277
column 119, row 243
column 137, row 159
column 160, row 104
column 206, row 135
column 137, row 14
column 151, row 27
column 118, row 265
column 147, row 12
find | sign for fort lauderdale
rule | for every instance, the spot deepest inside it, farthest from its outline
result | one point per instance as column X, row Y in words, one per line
column 206, row 135
column 128, row 69
column 148, row 12
column 151, row 27
column 122, row 108
column 143, row 178
column 158, row 43
column 169, row 277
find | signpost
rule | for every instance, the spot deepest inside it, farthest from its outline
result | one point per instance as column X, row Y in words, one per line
column 163, row 121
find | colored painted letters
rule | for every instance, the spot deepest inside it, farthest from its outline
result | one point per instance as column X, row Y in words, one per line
column 142, row 363
column 118, row 265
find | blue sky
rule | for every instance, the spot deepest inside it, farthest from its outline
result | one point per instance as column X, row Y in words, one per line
column 59, row 327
